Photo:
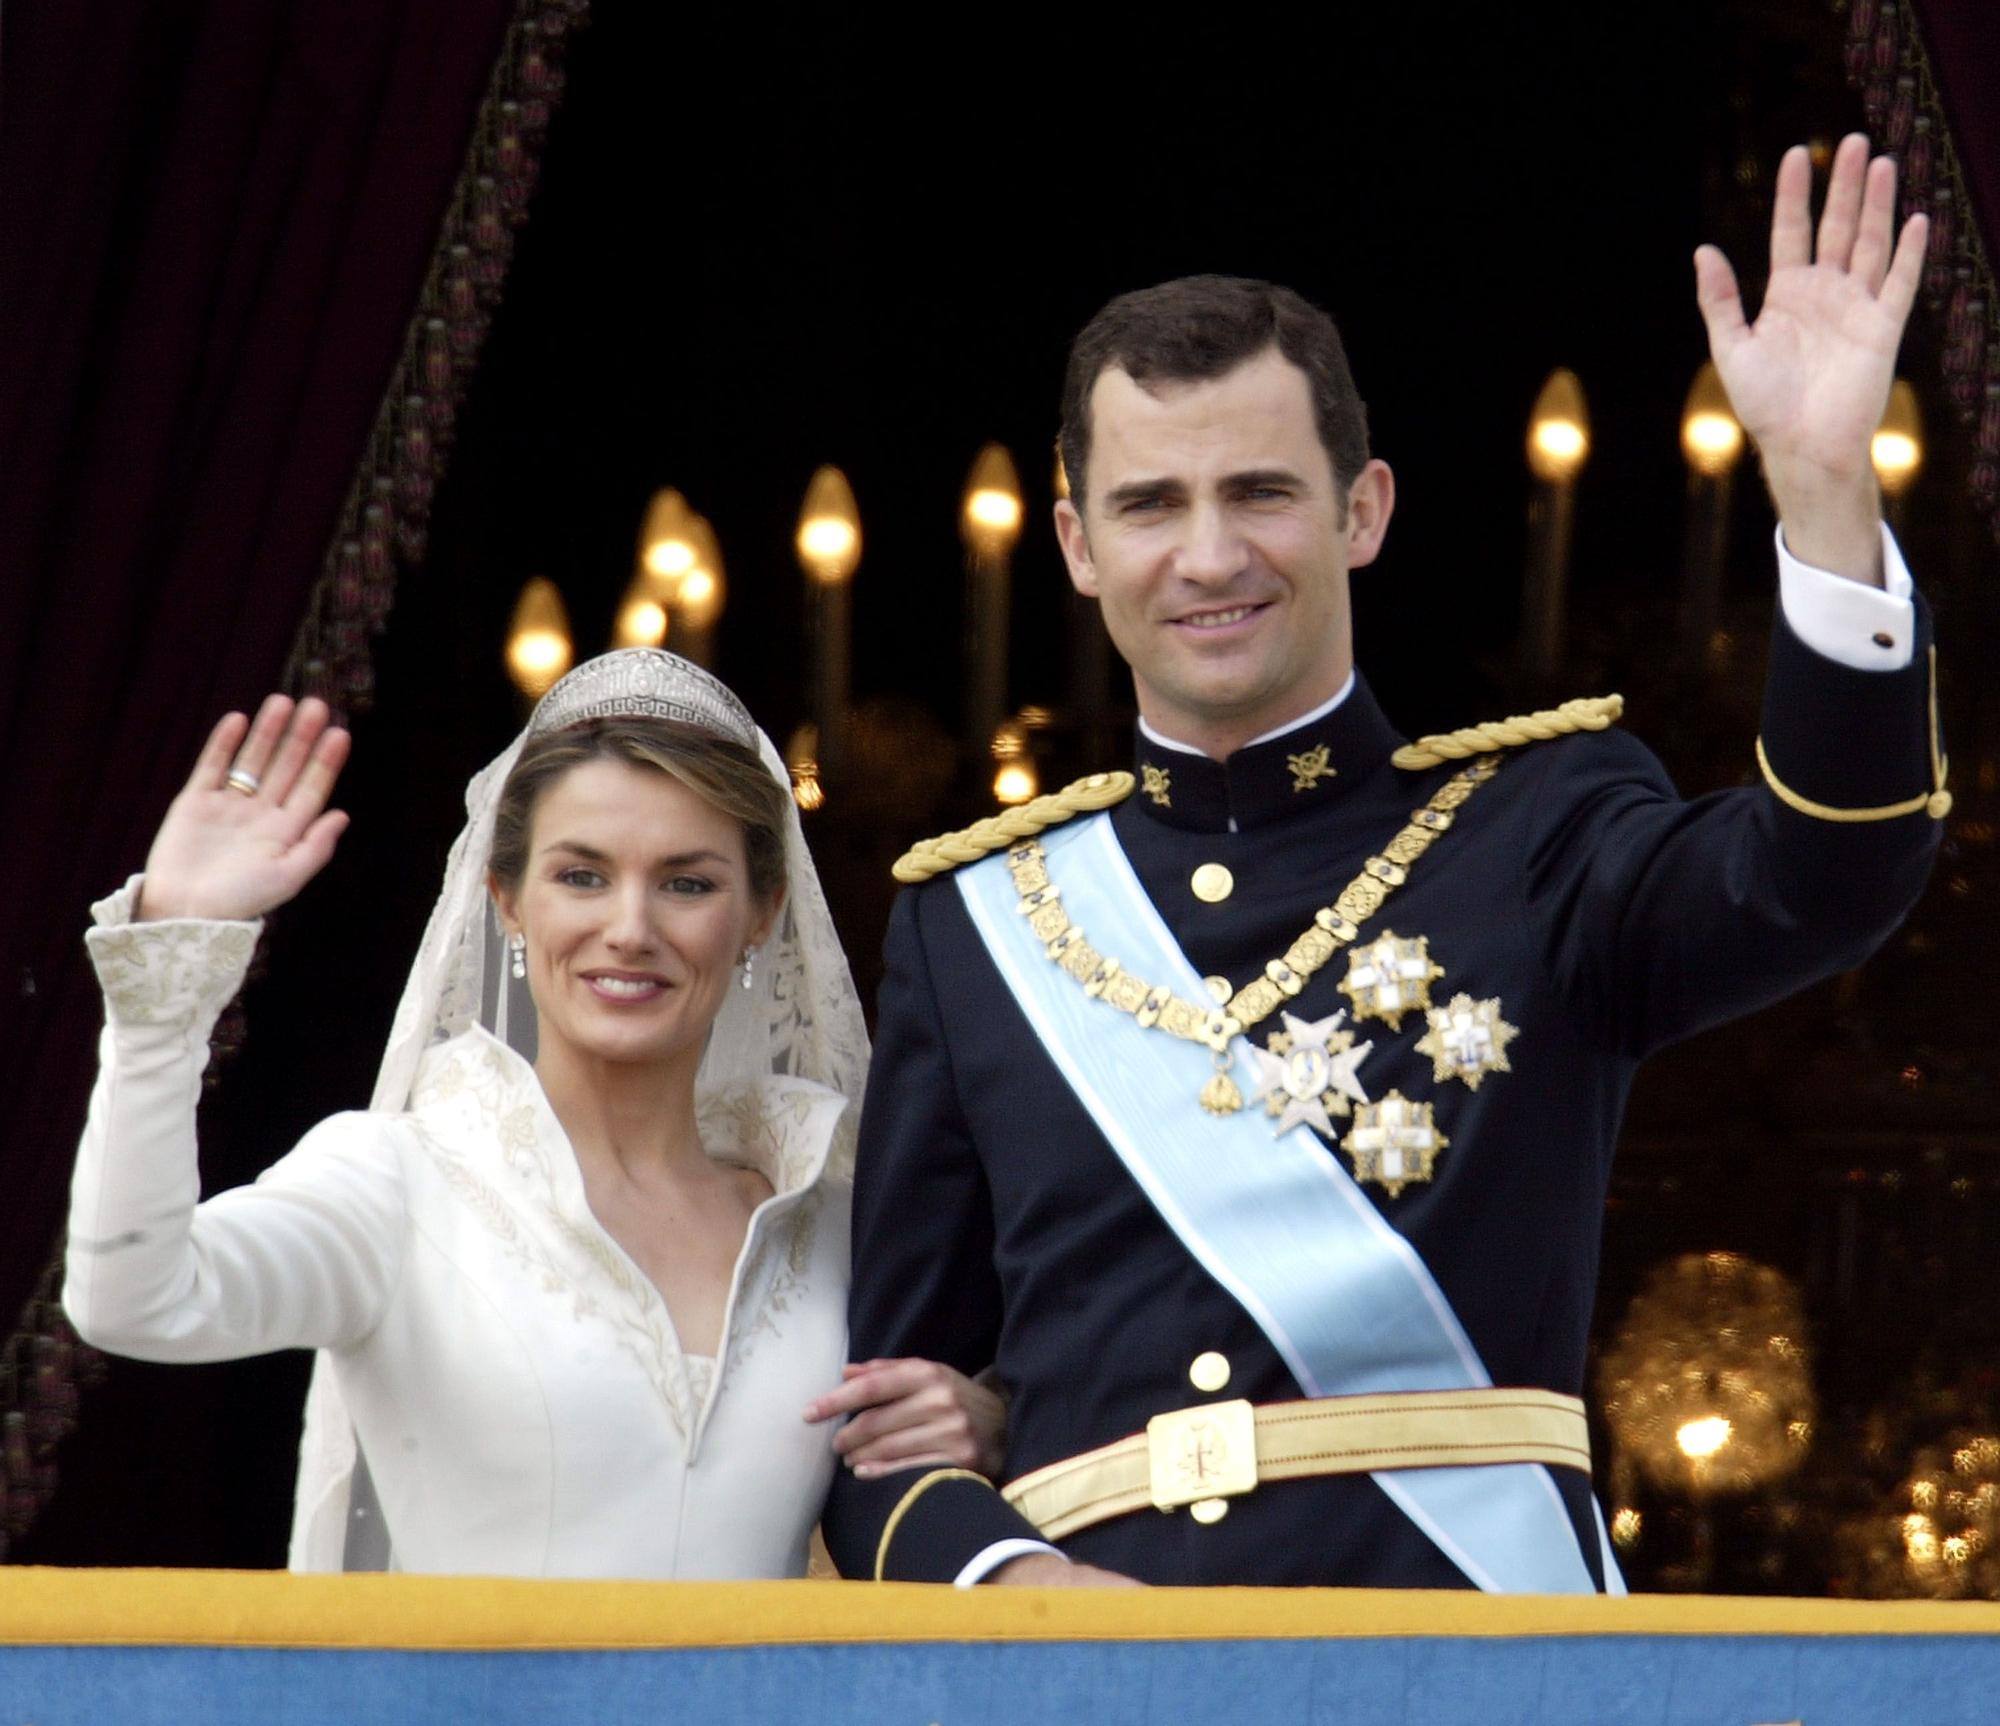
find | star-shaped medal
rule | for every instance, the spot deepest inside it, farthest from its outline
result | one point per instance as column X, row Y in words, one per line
column 1307, row 1074
column 1467, row 1040
column 1390, row 977
column 1394, row 1142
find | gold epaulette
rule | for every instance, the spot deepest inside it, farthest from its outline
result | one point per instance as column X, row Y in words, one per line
column 1586, row 713
column 930, row 857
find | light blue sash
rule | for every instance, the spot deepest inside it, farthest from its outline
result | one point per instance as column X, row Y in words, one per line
column 1344, row 1298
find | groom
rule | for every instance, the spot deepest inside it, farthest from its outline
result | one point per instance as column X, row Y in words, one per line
column 1256, row 1126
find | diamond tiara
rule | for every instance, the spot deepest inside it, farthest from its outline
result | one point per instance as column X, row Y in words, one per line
column 644, row 682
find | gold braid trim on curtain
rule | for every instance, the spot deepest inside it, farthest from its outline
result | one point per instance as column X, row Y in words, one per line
column 43, row 1366
column 386, row 518
column 1885, row 57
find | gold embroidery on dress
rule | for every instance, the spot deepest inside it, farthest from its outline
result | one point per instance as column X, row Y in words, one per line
column 771, row 1126
column 149, row 970
column 475, row 1077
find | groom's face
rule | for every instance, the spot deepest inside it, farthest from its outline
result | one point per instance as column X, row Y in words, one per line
column 1218, row 542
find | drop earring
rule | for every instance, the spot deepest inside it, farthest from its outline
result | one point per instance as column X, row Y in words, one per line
column 749, row 961
column 517, row 956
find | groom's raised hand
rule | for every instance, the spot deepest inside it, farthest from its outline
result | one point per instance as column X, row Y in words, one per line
column 1810, row 377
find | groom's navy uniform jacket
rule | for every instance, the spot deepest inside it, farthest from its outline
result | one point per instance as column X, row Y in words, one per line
column 994, row 1222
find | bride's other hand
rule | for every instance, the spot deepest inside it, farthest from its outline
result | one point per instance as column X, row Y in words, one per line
column 906, row 1412
column 251, row 826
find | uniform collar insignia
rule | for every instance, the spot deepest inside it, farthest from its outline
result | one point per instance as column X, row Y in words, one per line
column 1281, row 777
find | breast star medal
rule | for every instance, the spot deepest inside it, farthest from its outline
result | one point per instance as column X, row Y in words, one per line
column 1467, row 1040
column 1390, row 977
column 1393, row 1143
column 1307, row 1074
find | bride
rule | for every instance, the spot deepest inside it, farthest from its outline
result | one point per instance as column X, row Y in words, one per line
column 574, row 1272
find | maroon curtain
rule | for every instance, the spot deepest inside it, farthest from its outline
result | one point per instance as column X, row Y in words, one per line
column 218, row 216
column 1964, row 41
column 1927, row 73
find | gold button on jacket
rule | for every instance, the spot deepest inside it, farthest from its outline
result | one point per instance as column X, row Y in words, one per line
column 1210, row 1371
column 1212, row 883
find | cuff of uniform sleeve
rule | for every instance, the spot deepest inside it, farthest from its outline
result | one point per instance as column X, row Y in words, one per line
column 942, row 1518
column 990, row 1560
column 1840, row 739
column 1849, row 622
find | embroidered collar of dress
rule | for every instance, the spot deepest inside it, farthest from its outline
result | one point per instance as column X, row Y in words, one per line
column 482, row 1116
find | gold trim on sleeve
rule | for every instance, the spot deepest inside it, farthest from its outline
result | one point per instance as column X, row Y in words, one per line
column 1936, row 802
column 909, row 1498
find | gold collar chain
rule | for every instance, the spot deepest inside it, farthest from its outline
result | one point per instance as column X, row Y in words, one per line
column 1333, row 927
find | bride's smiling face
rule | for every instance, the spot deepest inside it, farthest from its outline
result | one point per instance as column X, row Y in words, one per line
column 636, row 905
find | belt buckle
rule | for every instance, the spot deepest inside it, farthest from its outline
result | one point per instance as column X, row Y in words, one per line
column 1208, row 1451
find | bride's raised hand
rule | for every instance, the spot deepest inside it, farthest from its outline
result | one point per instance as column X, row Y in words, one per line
column 251, row 826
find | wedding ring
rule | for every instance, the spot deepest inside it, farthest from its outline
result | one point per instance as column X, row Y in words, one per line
column 245, row 782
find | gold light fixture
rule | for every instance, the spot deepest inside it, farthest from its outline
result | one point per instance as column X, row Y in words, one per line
column 667, row 547
column 1700, row 1439
column 1897, row 449
column 1559, row 428
column 1711, row 435
column 829, row 537
column 538, row 640
column 990, row 519
column 1940, row 1535
column 802, row 760
column 1706, row 1385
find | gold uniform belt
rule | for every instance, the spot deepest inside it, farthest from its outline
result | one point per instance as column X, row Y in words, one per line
column 1215, row 1451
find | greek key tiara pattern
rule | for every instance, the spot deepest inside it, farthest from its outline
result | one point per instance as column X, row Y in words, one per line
column 644, row 681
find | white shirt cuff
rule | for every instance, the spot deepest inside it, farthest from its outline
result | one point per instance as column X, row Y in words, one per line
column 1852, row 624
column 985, row 1563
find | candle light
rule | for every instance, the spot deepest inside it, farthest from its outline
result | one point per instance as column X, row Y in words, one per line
column 1712, row 440
column 642, row 615
column 1558, row 446
column 990, row 523
column 1089, row 656
column 1897, row 449
column 699, row 598
column 538, row 639
column 667, row 540
column 829, row 548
